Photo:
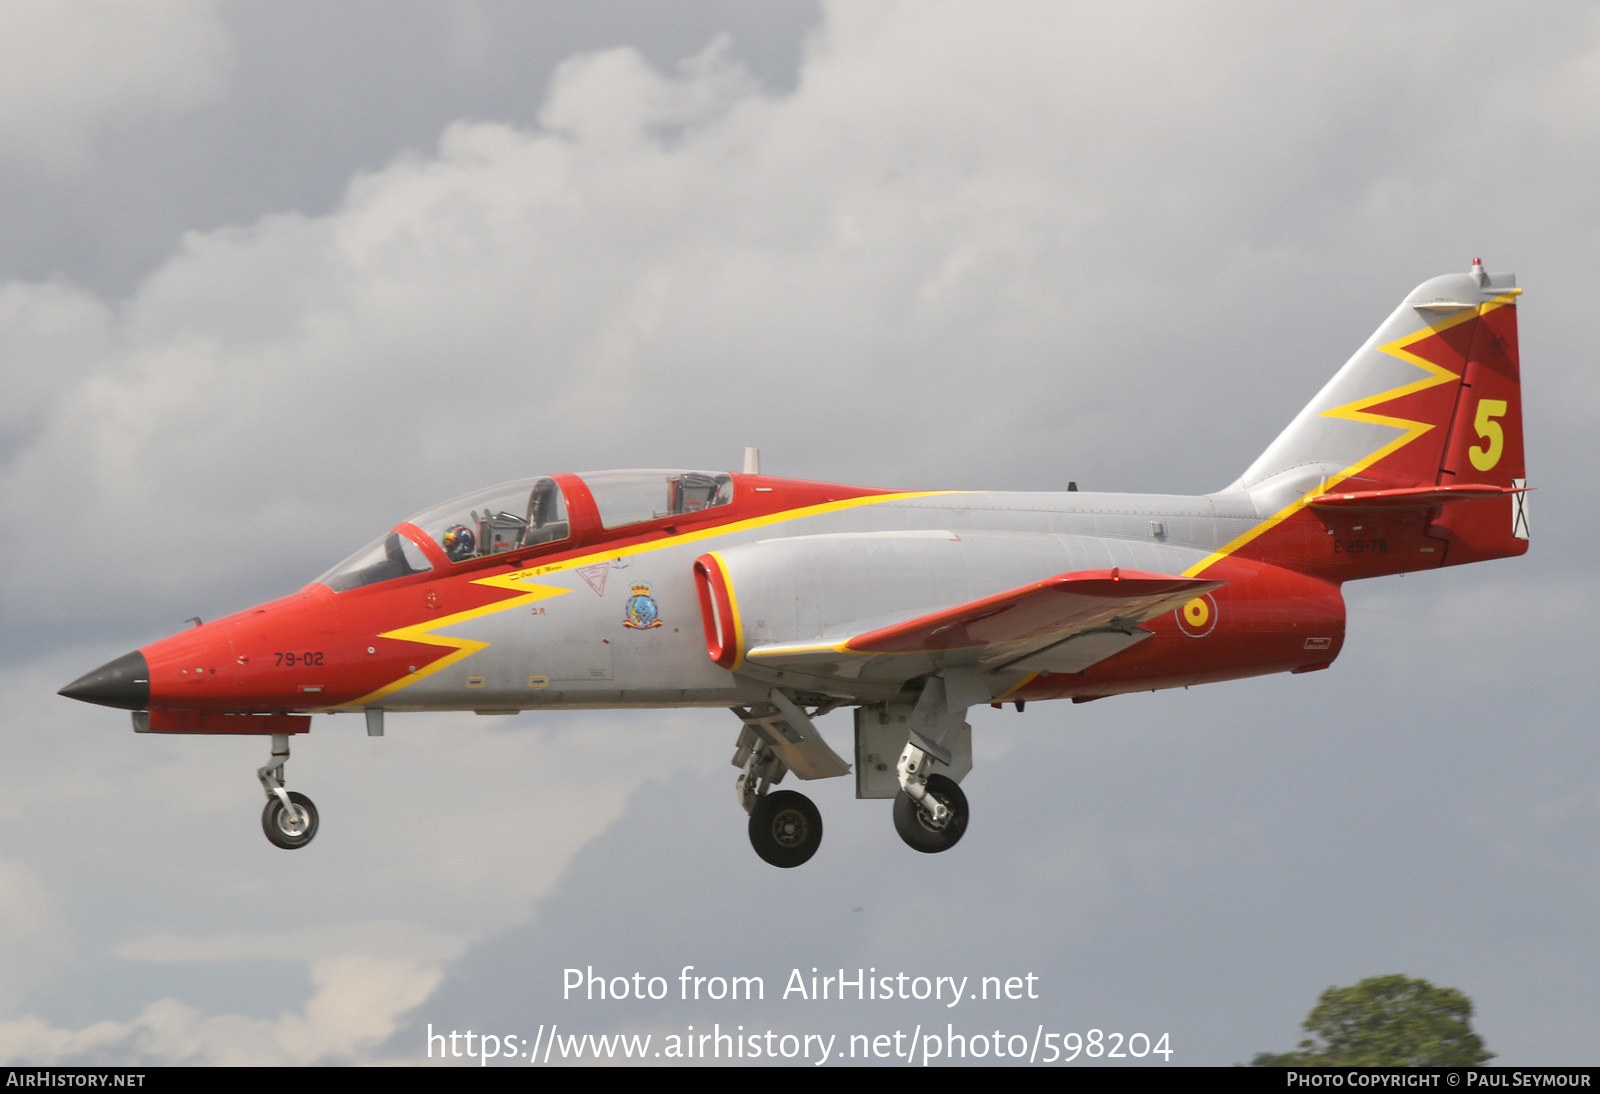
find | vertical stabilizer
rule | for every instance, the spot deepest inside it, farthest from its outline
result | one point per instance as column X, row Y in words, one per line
column 1432, row 398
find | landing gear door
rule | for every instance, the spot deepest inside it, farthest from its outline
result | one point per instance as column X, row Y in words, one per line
column 881, row 734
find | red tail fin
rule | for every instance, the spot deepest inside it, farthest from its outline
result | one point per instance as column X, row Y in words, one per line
column 1411, row 456
column 1485, row 446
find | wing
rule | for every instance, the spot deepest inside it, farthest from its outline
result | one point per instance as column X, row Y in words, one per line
column 1064, row 623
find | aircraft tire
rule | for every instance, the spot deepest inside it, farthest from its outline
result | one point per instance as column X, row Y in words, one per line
column 280, row 827
column 785, row 828
column 913, row 826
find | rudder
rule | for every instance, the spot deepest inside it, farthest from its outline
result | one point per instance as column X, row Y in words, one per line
column 1484, row 445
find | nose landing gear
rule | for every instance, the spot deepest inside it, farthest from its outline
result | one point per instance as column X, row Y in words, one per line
column 289, row 819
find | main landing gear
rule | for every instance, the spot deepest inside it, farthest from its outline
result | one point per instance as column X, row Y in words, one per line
column 785, row 827
column 289, row 819
column 930, row 813
column 930, row 810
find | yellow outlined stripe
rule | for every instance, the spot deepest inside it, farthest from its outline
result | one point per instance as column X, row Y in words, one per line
column 463, row 647
column 1356, row 411
column 603, row 553
column 518, row 581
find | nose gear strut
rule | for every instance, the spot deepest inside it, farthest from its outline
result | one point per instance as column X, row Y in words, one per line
column 289, row 819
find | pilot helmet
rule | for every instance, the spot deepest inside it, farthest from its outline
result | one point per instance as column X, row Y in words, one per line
column 459, row 543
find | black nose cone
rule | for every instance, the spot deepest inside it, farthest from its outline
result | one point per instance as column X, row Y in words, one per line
column 123, row 683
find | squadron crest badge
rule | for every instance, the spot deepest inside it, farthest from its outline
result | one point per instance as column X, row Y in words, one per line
column 641, row 612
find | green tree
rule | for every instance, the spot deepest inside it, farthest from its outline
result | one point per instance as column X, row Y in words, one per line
column 1386, row 1021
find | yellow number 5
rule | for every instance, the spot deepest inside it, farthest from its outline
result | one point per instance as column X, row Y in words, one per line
column 1494, row 438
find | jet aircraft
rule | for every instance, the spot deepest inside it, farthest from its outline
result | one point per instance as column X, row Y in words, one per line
column 781, row 599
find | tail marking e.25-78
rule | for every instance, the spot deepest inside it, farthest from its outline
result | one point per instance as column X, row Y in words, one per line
column 782, row 599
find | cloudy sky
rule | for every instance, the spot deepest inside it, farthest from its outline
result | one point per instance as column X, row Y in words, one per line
column 275, row 276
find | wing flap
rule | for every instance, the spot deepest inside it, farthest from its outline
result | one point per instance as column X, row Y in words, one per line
column 1078, row 652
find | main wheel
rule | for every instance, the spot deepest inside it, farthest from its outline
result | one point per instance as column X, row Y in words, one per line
column 785, row 828
column 915, row 828
column 289, row 830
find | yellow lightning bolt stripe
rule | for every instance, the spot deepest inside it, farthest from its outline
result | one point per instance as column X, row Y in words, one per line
column 519, row 581
column 1356, row 411
column 463, row 647
column 602, row 554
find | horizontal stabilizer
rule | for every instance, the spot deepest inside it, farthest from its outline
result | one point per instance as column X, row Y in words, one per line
column 1412, row 497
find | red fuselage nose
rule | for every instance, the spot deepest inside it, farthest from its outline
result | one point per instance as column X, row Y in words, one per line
column 276, row 656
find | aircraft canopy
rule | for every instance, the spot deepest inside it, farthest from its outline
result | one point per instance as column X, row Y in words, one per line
column 525, row 513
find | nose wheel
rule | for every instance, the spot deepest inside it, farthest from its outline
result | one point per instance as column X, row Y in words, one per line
column 290, row 826
column 289, row 819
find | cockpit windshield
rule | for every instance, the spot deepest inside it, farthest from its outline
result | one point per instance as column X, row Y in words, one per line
column 390, row 555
